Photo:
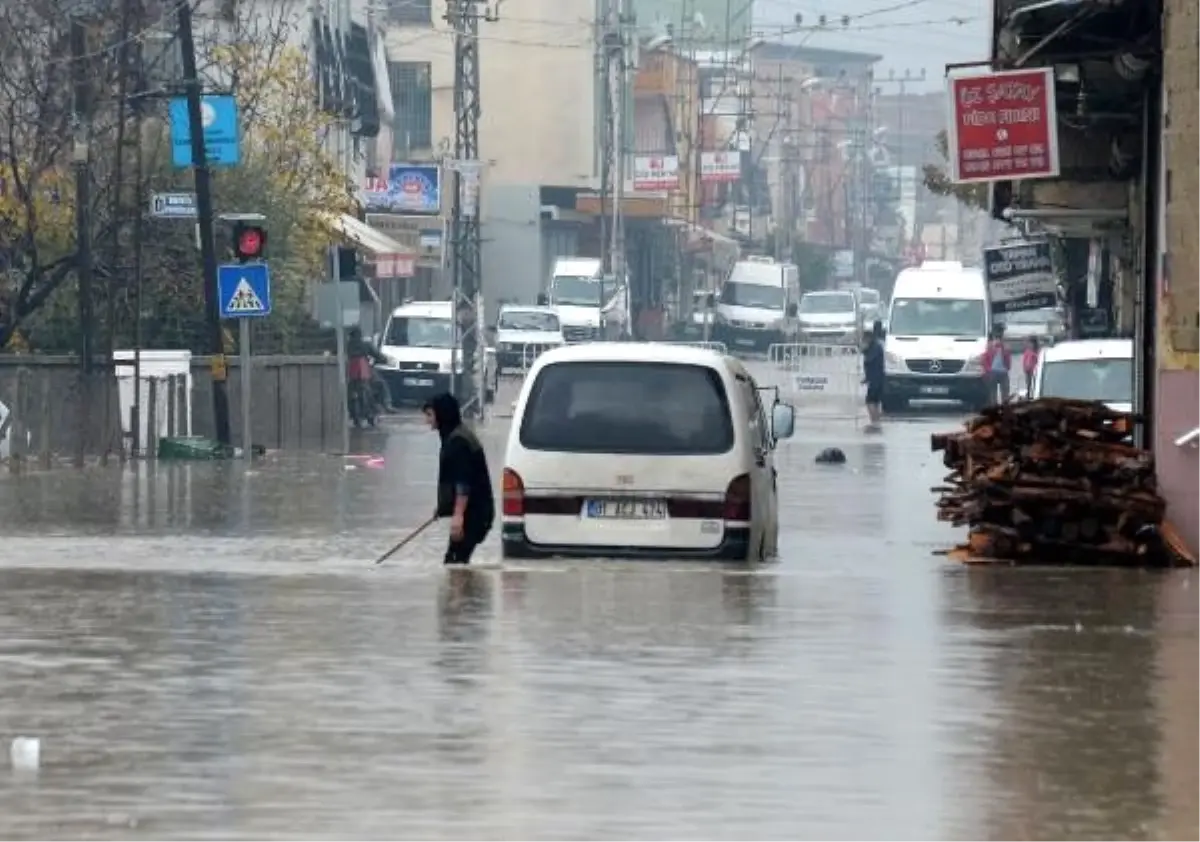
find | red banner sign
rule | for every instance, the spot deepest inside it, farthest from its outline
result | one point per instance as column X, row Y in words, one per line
column 1002, row 126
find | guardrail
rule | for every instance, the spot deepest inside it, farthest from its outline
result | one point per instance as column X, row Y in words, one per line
column 824, row 381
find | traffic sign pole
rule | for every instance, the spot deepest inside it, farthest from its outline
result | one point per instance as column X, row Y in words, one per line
column 339, row 326
column 244, row 351
column 244, row 293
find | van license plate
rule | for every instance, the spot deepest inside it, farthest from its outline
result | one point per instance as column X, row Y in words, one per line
column 625, row 509
column 749, row 343
column 935, row 390
column 417, row 381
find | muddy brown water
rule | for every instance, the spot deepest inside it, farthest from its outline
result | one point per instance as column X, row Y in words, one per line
column 207, row 651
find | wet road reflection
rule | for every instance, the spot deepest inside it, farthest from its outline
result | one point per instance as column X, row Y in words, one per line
column 207, row 652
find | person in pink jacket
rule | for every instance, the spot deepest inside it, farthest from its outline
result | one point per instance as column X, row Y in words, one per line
column 1029, row 361
column 997, row 366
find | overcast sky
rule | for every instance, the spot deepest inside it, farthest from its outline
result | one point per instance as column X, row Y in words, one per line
column 909, row 34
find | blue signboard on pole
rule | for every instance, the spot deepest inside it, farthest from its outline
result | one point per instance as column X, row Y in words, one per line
column 244, row 290
column 219, row 116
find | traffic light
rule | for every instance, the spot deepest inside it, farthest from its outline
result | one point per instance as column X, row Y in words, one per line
column 249, row 242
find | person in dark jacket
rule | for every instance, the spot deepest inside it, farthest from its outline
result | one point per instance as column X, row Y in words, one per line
column 464, row 485
column 873, row 372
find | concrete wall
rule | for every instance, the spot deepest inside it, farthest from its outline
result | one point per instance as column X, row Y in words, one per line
column 512, row 246
column 297, row 405
column 537, row 70
column 1178, row 383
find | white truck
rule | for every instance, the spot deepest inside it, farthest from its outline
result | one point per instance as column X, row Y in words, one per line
column 589, row 305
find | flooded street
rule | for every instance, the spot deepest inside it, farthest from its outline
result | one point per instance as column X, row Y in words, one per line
column 209, row 652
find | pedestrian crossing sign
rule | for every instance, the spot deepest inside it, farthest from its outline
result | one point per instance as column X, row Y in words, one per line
column 244, row 290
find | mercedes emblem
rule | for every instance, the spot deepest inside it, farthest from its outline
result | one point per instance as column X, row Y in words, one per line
column 935, row 365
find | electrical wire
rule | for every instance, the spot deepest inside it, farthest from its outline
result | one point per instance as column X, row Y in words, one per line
column 136, row 38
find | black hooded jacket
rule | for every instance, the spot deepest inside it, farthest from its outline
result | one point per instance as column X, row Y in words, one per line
column 462, row 466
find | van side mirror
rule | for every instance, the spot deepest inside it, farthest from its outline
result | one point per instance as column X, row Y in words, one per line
column 710, row 301
column 792, row 310
column 783, row 421
column 543, row 300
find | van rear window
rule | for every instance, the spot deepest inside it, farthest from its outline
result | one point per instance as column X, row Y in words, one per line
column 627, row 407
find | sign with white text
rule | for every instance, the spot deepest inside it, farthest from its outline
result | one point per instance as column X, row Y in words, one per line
column 1002, row 126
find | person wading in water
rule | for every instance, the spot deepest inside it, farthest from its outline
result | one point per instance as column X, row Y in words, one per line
column 464, row 485
column 873, row 371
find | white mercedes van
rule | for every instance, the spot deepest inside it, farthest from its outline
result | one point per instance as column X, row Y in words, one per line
column 938, row 325
column 640, row 450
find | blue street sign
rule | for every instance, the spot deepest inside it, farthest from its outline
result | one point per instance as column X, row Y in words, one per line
column 219, row 115
column 244, row 290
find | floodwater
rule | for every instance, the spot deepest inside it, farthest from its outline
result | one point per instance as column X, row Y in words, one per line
column 209, row 652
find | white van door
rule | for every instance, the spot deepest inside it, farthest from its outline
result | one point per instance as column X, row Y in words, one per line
column 765, row 504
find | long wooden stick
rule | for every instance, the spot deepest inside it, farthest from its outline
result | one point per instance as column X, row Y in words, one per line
column 405, row 540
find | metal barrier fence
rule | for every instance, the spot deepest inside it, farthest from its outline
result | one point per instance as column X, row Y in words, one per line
column 824, row 381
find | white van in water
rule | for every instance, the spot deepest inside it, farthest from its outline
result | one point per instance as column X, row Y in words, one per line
column 938, row 325
column 639, row 450
column 757, row 305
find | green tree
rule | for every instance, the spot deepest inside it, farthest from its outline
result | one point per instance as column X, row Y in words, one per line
column 286, row 174
column 937, row 180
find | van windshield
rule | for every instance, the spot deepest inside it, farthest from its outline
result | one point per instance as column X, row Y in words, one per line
column 576, row 291
column 419, row 332
column 527, row 320
column 965, row 317
column 825, row 304
column 752, row 295
column 627, row 407
column 1106, row 380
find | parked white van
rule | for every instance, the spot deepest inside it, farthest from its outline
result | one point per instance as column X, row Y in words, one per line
column 938, row 325
column 418, row 343
column 639, row 450
column 757, row 304
column 1087, row 370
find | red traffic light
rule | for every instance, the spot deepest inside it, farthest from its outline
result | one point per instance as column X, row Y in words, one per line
column 249, row 242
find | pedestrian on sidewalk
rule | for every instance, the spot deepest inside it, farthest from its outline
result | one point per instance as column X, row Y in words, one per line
column 464, row 491
column 1029, row 361
column 873, row 374
column 997, row 367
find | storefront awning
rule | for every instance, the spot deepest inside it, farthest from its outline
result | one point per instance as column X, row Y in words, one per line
column 390, row 258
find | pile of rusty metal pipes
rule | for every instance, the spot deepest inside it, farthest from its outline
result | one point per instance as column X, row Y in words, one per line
column 1052, row 481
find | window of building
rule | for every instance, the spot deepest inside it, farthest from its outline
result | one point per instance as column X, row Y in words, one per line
column 412, row 99
column 410, row 12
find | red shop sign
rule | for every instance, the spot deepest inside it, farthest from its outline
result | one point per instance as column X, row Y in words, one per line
column 1002, row 126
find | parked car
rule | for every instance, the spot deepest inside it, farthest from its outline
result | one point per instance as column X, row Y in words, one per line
column 1047, row 324
column 1087, row 369
column 830, row 316
column 522, row 333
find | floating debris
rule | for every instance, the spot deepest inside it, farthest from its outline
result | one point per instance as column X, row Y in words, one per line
column 25, row 753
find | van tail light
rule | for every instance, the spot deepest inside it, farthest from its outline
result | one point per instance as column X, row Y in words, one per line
column 737, row 499
column 514, row 494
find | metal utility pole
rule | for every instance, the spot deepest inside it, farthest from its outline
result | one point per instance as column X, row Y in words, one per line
column 463, row 17
column 864, row 171
column 901, row 106
column 204, row 222
column 81, row 119
column 614, row 65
